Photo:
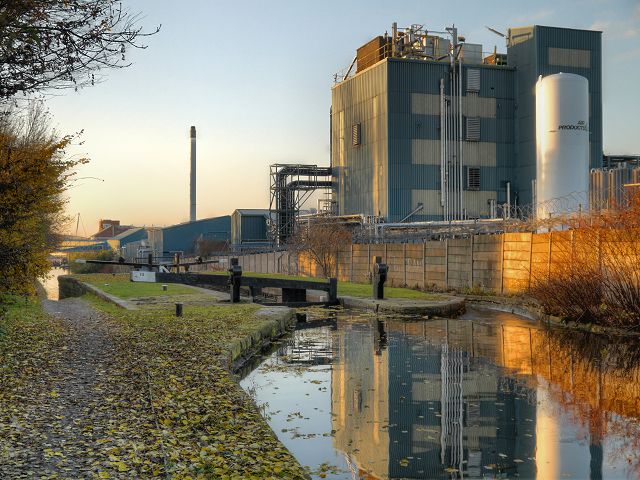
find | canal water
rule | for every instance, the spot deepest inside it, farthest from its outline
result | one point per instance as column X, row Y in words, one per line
column 50, row 282
column 488, row 395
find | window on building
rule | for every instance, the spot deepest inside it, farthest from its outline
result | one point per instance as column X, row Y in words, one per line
column 473, row 178
column 473, row 80
column 356, row 134
column 473, row 129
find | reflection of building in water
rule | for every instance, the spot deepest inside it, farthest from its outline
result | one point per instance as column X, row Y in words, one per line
column 447, row 405
column 442, row 409
column 308, row 347
column 360, row 401
column 456, row 413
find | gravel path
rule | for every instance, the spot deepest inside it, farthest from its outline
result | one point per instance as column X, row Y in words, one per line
column 74, row 417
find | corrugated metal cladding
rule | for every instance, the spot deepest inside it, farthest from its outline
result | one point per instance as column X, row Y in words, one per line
column 249, row 226
column 183, row 237
column 397, row 103
column 360, row 170
column 545, row 51
column 414, row 135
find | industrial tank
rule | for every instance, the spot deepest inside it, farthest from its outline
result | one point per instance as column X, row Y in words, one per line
column 562, row 144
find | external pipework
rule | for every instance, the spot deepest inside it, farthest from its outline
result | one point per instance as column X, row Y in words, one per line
column 394, row 38
column 192, row 189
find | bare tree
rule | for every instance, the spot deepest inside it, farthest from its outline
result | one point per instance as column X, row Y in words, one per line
column 321, row 239
column 56, row 44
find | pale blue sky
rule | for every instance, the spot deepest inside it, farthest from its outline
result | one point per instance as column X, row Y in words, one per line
column 255, row 79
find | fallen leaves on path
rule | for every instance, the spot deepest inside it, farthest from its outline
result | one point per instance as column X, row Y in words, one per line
column 165, row 406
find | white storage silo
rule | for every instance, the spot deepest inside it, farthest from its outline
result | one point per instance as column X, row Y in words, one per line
column 562, row 144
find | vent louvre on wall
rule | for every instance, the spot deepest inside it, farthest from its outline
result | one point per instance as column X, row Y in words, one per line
column 473, row 178
column 356, row 133
column 473, row 129
column 473, row 80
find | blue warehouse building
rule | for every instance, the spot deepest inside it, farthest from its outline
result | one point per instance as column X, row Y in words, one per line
column 184, row 237
column 417, row 131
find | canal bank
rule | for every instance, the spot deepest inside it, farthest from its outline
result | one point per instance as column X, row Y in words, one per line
column 529, row 308
column 168, row 404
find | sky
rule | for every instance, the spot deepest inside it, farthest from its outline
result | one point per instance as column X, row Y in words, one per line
column 255, row 79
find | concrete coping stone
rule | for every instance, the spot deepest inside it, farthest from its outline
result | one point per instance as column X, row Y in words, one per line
column 278, row 322
column 451, row 307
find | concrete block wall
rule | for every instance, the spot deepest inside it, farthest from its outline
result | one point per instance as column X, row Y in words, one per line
column 487, row 262
column 507, row 263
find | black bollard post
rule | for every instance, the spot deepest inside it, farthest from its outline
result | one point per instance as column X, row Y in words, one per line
column 235, row 277
column 178, row 309
column 379, row 277
column 333, row 290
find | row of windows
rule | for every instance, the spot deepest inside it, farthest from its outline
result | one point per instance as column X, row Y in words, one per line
column 472, row 131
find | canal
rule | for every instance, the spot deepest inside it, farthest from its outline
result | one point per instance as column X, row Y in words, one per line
column 488, row 395
column 50, row 282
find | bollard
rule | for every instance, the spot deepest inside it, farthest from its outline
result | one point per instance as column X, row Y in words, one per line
column 178, row 309
column 235, row 276
column 379, row 277
column 164, row 288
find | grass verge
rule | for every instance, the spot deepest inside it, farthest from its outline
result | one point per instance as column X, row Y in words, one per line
column 119, row 285
column 350, row 289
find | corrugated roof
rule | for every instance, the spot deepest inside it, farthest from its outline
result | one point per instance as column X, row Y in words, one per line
column 253, row 211
column 128, row 232
column 111, row 231
column 200, row 220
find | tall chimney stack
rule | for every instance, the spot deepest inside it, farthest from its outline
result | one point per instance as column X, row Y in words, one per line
column 192, row 211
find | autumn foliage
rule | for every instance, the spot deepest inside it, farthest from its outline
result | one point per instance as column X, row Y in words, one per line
column 596, row 271
column 34, row 172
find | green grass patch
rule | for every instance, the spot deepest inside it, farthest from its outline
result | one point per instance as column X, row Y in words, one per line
column 363, row 290
column 350, row 289
column 120, row 286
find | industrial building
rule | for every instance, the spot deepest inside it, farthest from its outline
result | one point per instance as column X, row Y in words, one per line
column 249, row 229
column 425, row 126
column 184, row 237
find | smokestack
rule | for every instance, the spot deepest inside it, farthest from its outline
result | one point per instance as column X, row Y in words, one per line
column 192, row 211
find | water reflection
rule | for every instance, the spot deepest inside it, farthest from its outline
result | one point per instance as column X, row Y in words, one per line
column 485, row 396
column 50, row 282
